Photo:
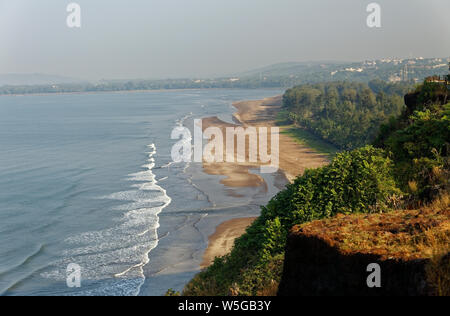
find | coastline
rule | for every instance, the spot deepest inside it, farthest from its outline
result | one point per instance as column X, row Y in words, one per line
column 295, row 159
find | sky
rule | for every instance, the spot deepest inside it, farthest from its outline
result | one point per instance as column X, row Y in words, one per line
column 125, row 39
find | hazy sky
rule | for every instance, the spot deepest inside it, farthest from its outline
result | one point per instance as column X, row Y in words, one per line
column 188, row 38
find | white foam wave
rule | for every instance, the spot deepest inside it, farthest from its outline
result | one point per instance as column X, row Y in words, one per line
column 168, row 165
column 181, row 121
column 120, row 253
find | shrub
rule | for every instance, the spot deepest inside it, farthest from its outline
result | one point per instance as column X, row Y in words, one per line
column 420, row 146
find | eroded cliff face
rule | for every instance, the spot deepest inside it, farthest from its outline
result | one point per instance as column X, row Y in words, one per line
column 332, row 257
column 313, row 267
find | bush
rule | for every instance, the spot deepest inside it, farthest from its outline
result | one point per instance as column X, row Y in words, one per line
column 419, row 145
column 171, row 292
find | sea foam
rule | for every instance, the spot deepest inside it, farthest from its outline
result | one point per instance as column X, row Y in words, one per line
column 118, row 254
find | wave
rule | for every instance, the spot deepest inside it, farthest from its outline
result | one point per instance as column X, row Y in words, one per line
column 168, row 165
column 25, row 261
column 181, row 121
column 121, row 252
column 23, row 280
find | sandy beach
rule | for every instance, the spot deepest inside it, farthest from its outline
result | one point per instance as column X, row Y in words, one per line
column 294, row 160
column 222, row 241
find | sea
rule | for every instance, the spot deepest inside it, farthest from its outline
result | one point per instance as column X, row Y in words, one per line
column 91, row 203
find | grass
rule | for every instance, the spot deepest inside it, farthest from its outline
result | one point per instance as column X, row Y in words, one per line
column 304, row 137
column 438, row 274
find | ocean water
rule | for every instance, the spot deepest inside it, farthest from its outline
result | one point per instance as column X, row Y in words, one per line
column 87, row 179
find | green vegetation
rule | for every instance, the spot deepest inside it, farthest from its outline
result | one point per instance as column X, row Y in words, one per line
column 357, row 181
column 310, row 140
column 172, row 292
column 419, row 143
column 410, row 167
column 347, row 115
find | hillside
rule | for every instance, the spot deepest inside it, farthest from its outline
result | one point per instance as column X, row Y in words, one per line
column 409, row 169
column 388, row 69
column 34, row 79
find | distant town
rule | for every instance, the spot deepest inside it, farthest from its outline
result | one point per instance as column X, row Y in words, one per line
column 285, row 75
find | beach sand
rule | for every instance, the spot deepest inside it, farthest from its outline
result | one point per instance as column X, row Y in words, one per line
column 294, row 160
column 222, row 241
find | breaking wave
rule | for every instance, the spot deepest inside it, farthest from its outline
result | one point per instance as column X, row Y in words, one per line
column 118, row 254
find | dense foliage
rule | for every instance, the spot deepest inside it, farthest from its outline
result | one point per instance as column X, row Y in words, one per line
column 419, row 140
column 348, row 115
column 358, row 181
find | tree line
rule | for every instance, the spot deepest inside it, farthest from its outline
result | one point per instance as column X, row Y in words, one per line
column 345, row 114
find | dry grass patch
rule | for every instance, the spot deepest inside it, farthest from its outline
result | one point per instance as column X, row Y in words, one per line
column 407, row 235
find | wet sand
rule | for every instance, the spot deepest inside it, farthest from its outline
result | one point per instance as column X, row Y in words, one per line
column 294, row 157
column 294, row 160
column 222, row 241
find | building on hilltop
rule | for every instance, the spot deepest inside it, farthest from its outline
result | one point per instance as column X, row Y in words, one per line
column 441, row 80
column 438, row 79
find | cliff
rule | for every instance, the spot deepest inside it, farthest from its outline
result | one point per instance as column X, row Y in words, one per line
column 331, row 257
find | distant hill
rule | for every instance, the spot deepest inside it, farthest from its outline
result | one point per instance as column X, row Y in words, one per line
column 291, row 68
column 284, row 75
column 34, row 79
column 387, row 69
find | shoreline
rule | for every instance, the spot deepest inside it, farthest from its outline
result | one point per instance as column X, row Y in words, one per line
column 296, row 158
